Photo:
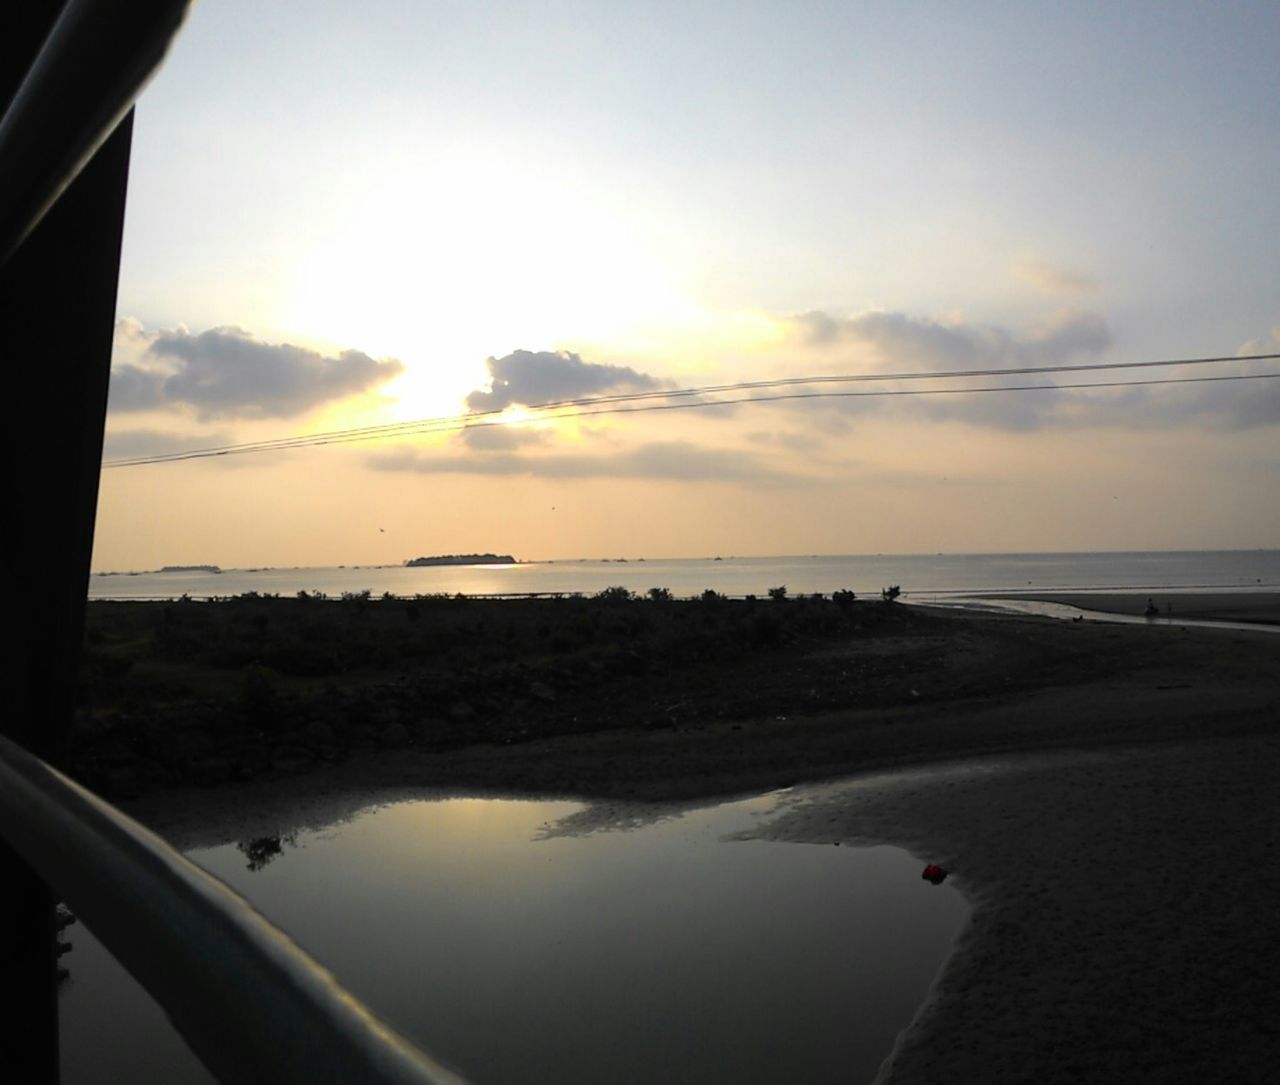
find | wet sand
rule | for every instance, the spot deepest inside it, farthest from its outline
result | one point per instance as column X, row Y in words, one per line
column 1115, row 829
column 1252, row 606
column 1123, row 924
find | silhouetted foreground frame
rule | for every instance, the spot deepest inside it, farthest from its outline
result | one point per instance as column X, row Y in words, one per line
column 96, row 59
column 251, row 1005
column 248, row 1001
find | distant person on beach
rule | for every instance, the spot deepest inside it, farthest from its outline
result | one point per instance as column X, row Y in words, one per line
column 1152, row 610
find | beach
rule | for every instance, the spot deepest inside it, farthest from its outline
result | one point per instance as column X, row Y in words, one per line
column 1123, row 904
column 1262, row 607
column 1103, row 795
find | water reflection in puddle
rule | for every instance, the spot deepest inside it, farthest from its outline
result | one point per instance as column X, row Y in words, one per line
column 535, row 941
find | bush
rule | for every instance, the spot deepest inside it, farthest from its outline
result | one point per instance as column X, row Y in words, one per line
column 778, row 594
column 660, row 595
column 843, row 598
column 259, row 692
column 712, row 596
column 764, row 629
column 615, row 594
column 891, row 593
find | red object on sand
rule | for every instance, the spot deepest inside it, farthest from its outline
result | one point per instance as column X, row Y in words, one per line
column 934, row 873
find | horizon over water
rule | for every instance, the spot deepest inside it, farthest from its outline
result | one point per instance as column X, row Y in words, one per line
column 1136, row 570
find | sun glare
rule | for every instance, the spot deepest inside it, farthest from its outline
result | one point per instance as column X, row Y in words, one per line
column 445, row 263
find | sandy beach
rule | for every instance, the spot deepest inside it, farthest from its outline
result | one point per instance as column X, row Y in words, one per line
column 1123, row 903
column 1113, row 823
column 1259, row 606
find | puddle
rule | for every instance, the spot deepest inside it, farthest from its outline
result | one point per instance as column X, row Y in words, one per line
column 524, row 941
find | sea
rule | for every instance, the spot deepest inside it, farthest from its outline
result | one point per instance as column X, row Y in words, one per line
column 920, row 576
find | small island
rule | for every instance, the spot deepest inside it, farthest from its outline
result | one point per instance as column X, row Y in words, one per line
column 190, row 569
column 464, row 559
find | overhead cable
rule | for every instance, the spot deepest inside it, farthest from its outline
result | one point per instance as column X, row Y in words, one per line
column 638, row 402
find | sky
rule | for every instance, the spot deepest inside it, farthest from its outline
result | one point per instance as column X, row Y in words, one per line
column 346, row 216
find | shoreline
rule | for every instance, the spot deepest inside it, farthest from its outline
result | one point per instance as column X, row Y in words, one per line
column 1119, row 909
column 1248, row 606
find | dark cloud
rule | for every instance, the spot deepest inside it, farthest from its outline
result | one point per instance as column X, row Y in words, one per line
column 679, row 460
column 226, row 372
column 135, row 389
column 532, row 377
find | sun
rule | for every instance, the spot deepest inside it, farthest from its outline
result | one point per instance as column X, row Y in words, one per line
column 444, row 263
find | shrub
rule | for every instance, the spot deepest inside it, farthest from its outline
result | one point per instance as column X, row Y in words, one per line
column 764, row 629
column 712, row 596
column 259, row 692
column 778, row 594
column 891, row 593
column 843, row 598
column 615, row 594
column 660, row 595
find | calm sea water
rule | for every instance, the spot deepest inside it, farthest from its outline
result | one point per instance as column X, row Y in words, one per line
column 521, row 942
column 864, row 574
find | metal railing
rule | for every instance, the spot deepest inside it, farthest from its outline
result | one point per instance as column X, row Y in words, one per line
column 250, row 1004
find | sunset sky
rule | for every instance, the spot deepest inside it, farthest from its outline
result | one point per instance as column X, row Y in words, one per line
column 343, row 215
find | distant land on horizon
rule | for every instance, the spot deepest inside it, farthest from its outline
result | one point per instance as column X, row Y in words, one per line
column 464, row 559
column 164, row 569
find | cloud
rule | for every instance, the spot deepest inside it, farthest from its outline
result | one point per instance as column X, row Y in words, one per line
column 909, row 344
column 492, row 438
column 895, row 342
column 1046, row 278
column 135, row 389
column 676, row 460
column 128, row 444
column 818, row 328
column 533, row 377
column 916, row 343
column 227, row 372
column 796, row 442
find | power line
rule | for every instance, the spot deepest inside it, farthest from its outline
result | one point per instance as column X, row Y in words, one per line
column 414, row 426
column 638, row 402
